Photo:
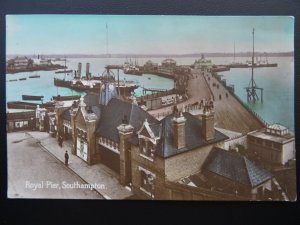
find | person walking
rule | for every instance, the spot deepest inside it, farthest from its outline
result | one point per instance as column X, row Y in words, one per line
column 66, row 158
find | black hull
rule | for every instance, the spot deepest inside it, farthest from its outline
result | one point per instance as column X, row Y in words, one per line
column 35, row 76
column 133, row 72
column 66, row 98
column 32, row 97
column 27, row 105
column 67, row 71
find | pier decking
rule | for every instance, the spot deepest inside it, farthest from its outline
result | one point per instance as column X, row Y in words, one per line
column 229, row 112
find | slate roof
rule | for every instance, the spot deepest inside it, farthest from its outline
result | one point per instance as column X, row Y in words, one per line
column 235, row 167
column 193, row 136
column 113, row 114
column 66, row 115
column 91, row 99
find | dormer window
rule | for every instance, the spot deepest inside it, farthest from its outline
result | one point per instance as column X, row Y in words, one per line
column 146, row 149
column 149, row 135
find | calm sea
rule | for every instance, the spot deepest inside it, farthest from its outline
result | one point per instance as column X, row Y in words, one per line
column 278, row 83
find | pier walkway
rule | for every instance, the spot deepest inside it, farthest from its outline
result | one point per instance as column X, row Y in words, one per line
column 230, row 114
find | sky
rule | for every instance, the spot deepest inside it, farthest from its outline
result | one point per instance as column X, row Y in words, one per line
column 87, row 34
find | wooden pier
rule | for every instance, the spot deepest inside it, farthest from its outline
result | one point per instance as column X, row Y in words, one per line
column 230, row 112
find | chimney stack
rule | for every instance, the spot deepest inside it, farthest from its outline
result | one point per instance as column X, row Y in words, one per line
column 87, row 71
column 208, row 130
column 179, row 130
column 79, row 70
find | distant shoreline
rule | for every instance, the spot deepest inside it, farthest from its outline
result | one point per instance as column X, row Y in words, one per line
column 240, row 54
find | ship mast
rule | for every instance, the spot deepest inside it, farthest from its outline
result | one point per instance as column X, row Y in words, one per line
column 251, row 89
column 106, row 40
column 233, row 51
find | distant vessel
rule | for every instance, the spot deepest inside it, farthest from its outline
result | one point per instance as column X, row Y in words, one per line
column 248, row 64
column 32, row 97
column 34, row 76
column 64, row 71
column 24, row 78
column 133, row 69
column 257, row 63
column 13, row 80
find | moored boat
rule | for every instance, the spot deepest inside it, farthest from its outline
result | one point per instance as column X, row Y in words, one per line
column 64, row 71
column 32, row 97
column 27, row 105
column 66, row 98
column 34, row 76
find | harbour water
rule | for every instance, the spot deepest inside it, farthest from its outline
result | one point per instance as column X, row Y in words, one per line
column 278, row 83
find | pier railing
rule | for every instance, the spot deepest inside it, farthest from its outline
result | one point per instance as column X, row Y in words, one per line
column 207, row 84
column 156, row 95
column 162, row 114
column 251, row 111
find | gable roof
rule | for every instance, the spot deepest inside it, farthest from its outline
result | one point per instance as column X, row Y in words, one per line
column 66, row 114
column 235, row 167
column 193, row 136
column 113, row 114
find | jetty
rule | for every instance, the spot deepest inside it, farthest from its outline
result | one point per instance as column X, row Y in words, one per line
column 230, row 112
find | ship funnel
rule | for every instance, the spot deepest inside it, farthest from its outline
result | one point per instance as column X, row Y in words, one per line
column 79, row 70
column 87, row 70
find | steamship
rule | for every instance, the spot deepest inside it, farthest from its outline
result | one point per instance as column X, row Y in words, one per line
column 133, row 69
column 92, row 84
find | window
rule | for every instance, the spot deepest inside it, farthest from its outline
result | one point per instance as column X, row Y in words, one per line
column 147, row 182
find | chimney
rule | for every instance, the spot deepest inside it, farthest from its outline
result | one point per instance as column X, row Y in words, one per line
column 79, row 70
column 87, row 71
column 208, row 130
column 81, row 104
column 179, row 131
column 125, row 133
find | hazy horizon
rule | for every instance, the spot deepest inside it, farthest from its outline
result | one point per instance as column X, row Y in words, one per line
column 86, row 34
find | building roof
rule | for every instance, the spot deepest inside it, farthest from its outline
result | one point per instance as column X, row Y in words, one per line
column 193, row 136
column 169, row 61
column 113, row 115
column 263, row 134
column 235, row 167
column 66, row 114
column 92, row 104
column 91, row 99
column 277, row 127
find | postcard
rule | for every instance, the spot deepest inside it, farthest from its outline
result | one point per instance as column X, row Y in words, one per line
column 150, row 107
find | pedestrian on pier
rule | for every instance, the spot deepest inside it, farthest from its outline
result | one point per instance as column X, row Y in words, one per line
column 66, row 158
